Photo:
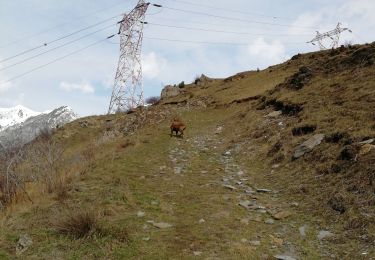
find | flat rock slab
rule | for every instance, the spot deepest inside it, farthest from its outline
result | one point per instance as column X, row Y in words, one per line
column 245, row 203
column 368, row 141
column 284, row 257
column 161, row 225
column 274, row 114
column 323, row 234
column 230, row 187
column 302, row 230
column 308, row 146
column 281, row 215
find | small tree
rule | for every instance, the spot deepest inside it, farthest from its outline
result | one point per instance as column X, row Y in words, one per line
column 182, row 84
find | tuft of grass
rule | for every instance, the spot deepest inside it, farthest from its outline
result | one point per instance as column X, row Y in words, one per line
column 78, row 225
column 87, row 224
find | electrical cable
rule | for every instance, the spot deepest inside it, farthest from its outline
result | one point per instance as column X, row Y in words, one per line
column 221, row 31
column 232, row 10
column 60, row 25
column 206, row 42
column 235, row 19
column 218, row 24
column 57, row 47
column 57, row 59
column 60, row 38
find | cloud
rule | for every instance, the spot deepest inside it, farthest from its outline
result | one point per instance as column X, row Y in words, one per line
column 108, row 81
column 153, row 65
column 83, row 87
column 359, row 9
column 267, row 53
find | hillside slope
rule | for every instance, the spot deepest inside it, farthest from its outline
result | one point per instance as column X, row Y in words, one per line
column 233, row 188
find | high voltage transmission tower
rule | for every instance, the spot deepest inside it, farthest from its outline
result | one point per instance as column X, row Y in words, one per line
column 127, row 90
column 333, row 35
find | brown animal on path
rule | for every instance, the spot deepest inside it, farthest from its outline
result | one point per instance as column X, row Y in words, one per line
column 178, row 127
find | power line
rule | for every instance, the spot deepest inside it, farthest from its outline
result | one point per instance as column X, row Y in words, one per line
column 235, row 19
column 57, row 47
column 217, row 24
column 55, row 60
column 209, row 42
column 232, row 10
column 60, row 25
column 60, row 38
column 221, row 31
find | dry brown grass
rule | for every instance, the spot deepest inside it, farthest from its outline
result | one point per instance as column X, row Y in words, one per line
column 78, row 224
column 333, row 191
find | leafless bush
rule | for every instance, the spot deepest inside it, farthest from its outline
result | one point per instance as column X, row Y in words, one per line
column 152, row 100
column 45, row 159
column 107, row 137
column 11, row 181
column 348, row 44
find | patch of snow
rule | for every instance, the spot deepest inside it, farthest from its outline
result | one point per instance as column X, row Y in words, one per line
column 15, row 115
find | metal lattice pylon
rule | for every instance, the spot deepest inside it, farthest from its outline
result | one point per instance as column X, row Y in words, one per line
column 127, row 90
column 333, row 35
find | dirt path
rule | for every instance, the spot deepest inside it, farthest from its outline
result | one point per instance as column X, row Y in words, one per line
column 216, row 212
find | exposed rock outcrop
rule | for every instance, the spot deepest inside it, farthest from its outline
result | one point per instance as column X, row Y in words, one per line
column 170, row 91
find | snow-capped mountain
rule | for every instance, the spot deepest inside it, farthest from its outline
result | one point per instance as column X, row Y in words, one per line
column 15, row 115
column 20, row 125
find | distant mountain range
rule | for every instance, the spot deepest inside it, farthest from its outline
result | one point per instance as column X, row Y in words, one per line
column 20, row 125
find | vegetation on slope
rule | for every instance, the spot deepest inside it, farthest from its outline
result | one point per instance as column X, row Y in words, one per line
column 123, row 188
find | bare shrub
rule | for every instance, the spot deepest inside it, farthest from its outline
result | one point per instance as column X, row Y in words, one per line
column 45, row 133
column 107, row 137
column 152, row 100
column 11, row 181
column 45, row 158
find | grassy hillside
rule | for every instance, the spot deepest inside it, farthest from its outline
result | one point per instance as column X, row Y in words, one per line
column 122, row 188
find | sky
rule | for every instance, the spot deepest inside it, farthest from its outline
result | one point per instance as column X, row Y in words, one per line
column 220, row 38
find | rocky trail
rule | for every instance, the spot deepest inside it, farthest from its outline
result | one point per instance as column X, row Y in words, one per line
column 217, row 211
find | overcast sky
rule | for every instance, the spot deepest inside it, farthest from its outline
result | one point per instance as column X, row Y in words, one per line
column 266, row 32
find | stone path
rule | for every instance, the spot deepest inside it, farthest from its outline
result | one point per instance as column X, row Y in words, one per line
column 261, row 205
